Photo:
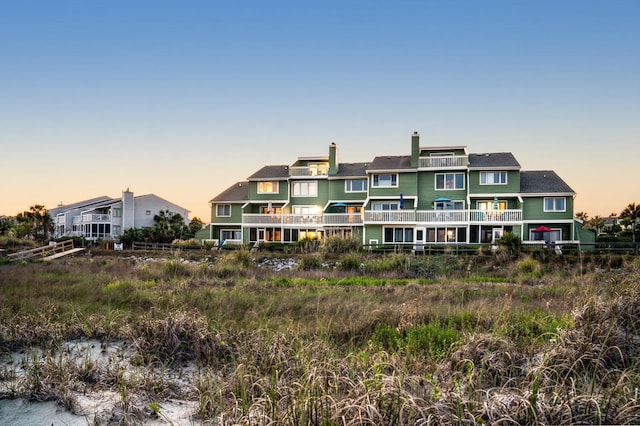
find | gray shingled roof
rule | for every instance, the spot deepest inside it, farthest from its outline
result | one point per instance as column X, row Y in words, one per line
column 391, row 163
column 352, row 169
column 271, row 172
column 238, row 192
column 492, row 160
column 543, row 182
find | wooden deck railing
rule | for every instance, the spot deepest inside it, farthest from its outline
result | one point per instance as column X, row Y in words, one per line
column 41, row 251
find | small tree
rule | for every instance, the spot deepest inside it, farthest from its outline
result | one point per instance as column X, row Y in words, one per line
column 36, row 223
column 630, row 216
column 511, row 243
column 194, row 226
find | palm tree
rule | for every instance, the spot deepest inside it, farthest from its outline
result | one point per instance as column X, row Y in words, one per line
column 583, row 216
column 631, row 213
column 37, row 222
column 596, row 223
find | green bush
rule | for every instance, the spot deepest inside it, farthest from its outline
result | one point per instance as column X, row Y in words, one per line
column 350, row 262
column 310, row 261
column 527, row 266
column 337, row 245
column 511, row 243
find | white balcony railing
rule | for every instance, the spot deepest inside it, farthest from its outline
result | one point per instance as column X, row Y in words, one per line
column 261, row 219
column 91, row 218
column 302, row 219
column 444, row 162
column 337, row 219
column 319, row 170
column 387, row 217
column 495, row 216
column 440, row 216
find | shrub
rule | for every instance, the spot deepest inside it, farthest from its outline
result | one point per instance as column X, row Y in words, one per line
column 310, row 261
column 511, row 243
column 527, row 266
column 350, row 262
column 337, row 245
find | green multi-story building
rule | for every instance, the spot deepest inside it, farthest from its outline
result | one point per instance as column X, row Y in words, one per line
column 436, row 195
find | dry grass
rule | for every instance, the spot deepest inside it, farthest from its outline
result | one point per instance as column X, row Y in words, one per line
column 534, row 342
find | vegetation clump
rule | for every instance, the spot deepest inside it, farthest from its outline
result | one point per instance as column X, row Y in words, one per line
column 400, row 340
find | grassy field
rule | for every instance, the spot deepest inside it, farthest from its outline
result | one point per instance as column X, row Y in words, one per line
column 350, row 339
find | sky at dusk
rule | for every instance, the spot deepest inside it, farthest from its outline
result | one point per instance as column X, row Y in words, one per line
column 182, row 99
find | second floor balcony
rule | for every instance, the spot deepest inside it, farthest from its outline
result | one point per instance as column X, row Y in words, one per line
column 92, row 218
column 327, row 219
column 383, row 217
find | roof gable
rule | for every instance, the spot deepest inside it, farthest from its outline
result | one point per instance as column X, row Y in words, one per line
column 238, row 192
column 543, row 182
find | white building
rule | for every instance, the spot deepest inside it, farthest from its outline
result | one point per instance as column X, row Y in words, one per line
column 107, row 218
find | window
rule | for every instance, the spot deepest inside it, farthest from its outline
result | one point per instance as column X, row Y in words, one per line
column 355, row 185
column 398, row 235
column 446, row 235
column 223, row 210
column 268, row 187
column 554, row 204
column 492, row 205
column 270, row 210
column 305, row 189
column 306, row 210
column 117, row 230
column 385, row 205
column 386, row 180
column 493, row 178
column 449, row 205
column 117, row 212
column 318, row 169
column 230, row 234
column 449, row 180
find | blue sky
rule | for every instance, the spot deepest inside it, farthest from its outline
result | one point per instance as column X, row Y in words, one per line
column 182, row 99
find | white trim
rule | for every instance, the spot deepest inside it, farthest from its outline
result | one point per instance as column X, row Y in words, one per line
column 223, row 215
column 277, row 183
column 544, row 205
column 365, row 179
column 293, row 186
column 373, row 175
column 506, row 177
column 435, row 181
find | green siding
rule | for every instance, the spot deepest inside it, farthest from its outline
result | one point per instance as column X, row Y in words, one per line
column 282, row 194
column 533, row 209
column 236, row 214
column 512, row 186
column 337, row 192
column 428, row 192
column 407, row 185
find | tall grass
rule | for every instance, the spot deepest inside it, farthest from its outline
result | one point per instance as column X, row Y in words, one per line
column 425, row 340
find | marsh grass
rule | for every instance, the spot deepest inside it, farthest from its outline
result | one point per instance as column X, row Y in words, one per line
column 404, row 340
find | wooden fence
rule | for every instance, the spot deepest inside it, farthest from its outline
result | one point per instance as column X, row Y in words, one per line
column 43, row 251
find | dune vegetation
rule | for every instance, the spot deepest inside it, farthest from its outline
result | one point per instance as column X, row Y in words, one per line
column 338, row 339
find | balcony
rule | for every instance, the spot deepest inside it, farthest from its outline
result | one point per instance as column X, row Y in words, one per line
column 307, row 171
column 342, row 219
column 389, row 216
column 95, row 218
column 329, row 219
column 371, row 217
column 444, row 162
